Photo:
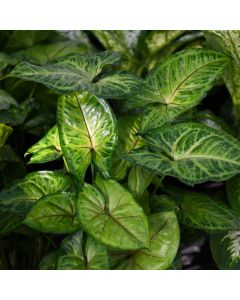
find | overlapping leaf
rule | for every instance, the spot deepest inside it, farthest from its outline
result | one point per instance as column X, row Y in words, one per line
column 201, row 212
column 54, row 213
column 191, row 152
column 87, row 133
column 23, row 193
column 77, row 253
column 164, row 243
column 233, row 193
column 5, row 131
column 6, row 100
column 47, row 149
column 77, row 72
column 177, row 84
column 109, row 213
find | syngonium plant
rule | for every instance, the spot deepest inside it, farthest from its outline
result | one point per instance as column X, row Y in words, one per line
column 132, row 144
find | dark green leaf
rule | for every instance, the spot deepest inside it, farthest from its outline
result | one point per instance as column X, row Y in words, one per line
column 109, row 213
column 54, row 213
column 77, row 72
column 201, row 212
column 49, row 262
column 233, row 193
column 87, row 133
column 191, row 152
column 6, row 100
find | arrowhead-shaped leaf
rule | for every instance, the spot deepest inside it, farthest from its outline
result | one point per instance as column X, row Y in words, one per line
column 201, row 212
column 109, row 213
column 79, row 253
column 87, row 133
column 191, row 152
column 21, row 195
column 54, row 213
column 77, row 72
column 178, row 83
column 164, row 243
column 47, row 149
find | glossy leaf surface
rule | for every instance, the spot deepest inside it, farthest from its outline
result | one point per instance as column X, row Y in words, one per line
column 21, row 195
column 164, row 242
column 109, row 209
column 77, row 72
column 77, row 253
column 47, row 149
column 171, row 90
column 54, row 213
column 87, row 133
column 191, row 152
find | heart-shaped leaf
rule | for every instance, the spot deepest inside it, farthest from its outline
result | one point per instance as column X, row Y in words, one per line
column 164, row 243
column 109, row 213
column 54, row 214
column 79, row 253
column 201, row 212
column 191, row 152
column 77, row 72
column 177, row 84
column 47, row 149
column 21, row 195
column 87, row 133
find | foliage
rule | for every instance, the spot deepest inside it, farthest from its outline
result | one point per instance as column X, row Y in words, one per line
column 116, row 145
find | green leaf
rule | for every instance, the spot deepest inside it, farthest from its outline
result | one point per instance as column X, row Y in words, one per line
column 77, row 253
column 171, row 90
column 160, row 203
column 225, row 249
column 9, row 222
column 138, row 180
column 108, row 209
column 42, row 54
column 54, row 214
column 201, row 212
column 6, row 100
column 164, row 243
column 191, row 152
column 5, row 131
column 228, row 41
column 16, row 115
column 128, row 127
column 87, row 133
column 47, row 149
column 233, row 193
column 77, row 72
column 21, row 195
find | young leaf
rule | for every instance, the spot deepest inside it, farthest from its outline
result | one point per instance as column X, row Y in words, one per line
column 128, row 126
column 87, row 133
column 164, row 243
column 5, row 131
column 47, row 149
column 77, row 72
column 225, row 249
column 138, row 180
column 109, row 213
column 233, row 193
column 201, row 212
column 191, row 152
column 171, row 89
column 6, row 100
column 21, row 195
column 54, row 213
column 78, row 254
